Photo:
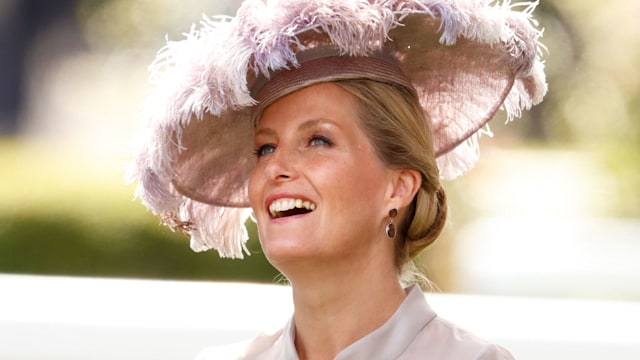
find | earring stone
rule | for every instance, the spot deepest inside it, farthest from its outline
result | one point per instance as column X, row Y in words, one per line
column 391, row 228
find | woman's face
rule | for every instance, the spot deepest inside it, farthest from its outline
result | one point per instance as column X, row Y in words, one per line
column 318, row 190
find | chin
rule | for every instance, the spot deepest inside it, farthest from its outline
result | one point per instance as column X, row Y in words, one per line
column 286, row 251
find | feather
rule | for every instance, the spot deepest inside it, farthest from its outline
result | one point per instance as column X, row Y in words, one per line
column 217, row 228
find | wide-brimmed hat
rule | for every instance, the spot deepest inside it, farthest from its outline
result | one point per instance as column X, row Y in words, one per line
column 464, row 59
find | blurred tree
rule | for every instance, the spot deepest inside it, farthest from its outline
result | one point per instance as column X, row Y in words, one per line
column 21, row 21
column 62, row 244
column 564, row 51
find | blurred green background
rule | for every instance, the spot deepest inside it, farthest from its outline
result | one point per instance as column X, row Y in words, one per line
column 552, row 209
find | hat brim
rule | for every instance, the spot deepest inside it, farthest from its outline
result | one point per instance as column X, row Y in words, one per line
column 460, row 86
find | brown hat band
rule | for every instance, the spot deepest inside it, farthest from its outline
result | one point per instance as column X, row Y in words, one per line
column 324, row 64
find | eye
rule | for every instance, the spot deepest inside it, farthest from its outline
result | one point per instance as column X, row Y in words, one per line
column 265, row 149
column 319, row 140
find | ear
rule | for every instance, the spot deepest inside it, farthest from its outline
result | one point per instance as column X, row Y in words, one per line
column 403, row 188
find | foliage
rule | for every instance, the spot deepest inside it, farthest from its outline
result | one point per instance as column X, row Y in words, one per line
column 71, row 220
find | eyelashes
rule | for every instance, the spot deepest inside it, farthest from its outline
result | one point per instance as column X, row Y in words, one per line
column 313, row 141
column 263, row 150
column 319, row 140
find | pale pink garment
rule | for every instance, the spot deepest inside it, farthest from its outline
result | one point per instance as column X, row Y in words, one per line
column 414, row 331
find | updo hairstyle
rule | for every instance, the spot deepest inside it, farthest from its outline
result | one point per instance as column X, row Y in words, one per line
column 395, row 123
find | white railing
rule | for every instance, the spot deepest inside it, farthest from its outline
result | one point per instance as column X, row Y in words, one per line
column 70, row 318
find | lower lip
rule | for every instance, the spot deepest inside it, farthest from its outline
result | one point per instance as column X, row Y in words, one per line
column 292, row 217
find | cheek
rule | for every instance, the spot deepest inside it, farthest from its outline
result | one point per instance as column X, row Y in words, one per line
column 355, row 184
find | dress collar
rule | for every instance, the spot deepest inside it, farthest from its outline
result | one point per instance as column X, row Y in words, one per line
column 386, row 342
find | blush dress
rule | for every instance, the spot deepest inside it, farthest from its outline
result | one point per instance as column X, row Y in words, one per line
column 413, row 332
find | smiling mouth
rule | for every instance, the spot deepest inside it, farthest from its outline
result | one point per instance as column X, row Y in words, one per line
column 289, row 207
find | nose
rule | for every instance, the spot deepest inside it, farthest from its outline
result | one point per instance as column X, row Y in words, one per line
column 281, row 165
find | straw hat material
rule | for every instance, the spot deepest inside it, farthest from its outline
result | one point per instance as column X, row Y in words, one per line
column 465, row 60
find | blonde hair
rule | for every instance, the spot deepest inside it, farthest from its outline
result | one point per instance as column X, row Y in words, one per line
column 396, row 124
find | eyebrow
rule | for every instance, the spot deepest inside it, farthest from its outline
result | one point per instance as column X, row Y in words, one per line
column 304, row 126
column 317, row 122
column 264, row 131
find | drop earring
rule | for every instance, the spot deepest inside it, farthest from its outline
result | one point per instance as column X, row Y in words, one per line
column 391, row 228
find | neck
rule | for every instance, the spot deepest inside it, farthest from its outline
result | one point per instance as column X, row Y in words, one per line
column 335, row 308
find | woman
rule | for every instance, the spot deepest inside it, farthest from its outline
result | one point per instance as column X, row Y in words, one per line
column 334, row 121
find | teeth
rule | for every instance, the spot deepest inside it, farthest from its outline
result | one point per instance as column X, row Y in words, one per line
column 281, row 205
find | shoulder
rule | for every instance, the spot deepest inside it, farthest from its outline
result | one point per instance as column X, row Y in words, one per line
column 445, row 340
column 261, row 347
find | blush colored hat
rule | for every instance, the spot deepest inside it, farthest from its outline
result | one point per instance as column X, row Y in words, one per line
column 466, row 59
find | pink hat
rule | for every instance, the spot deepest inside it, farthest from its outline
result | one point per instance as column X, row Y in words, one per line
column 465, row 59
